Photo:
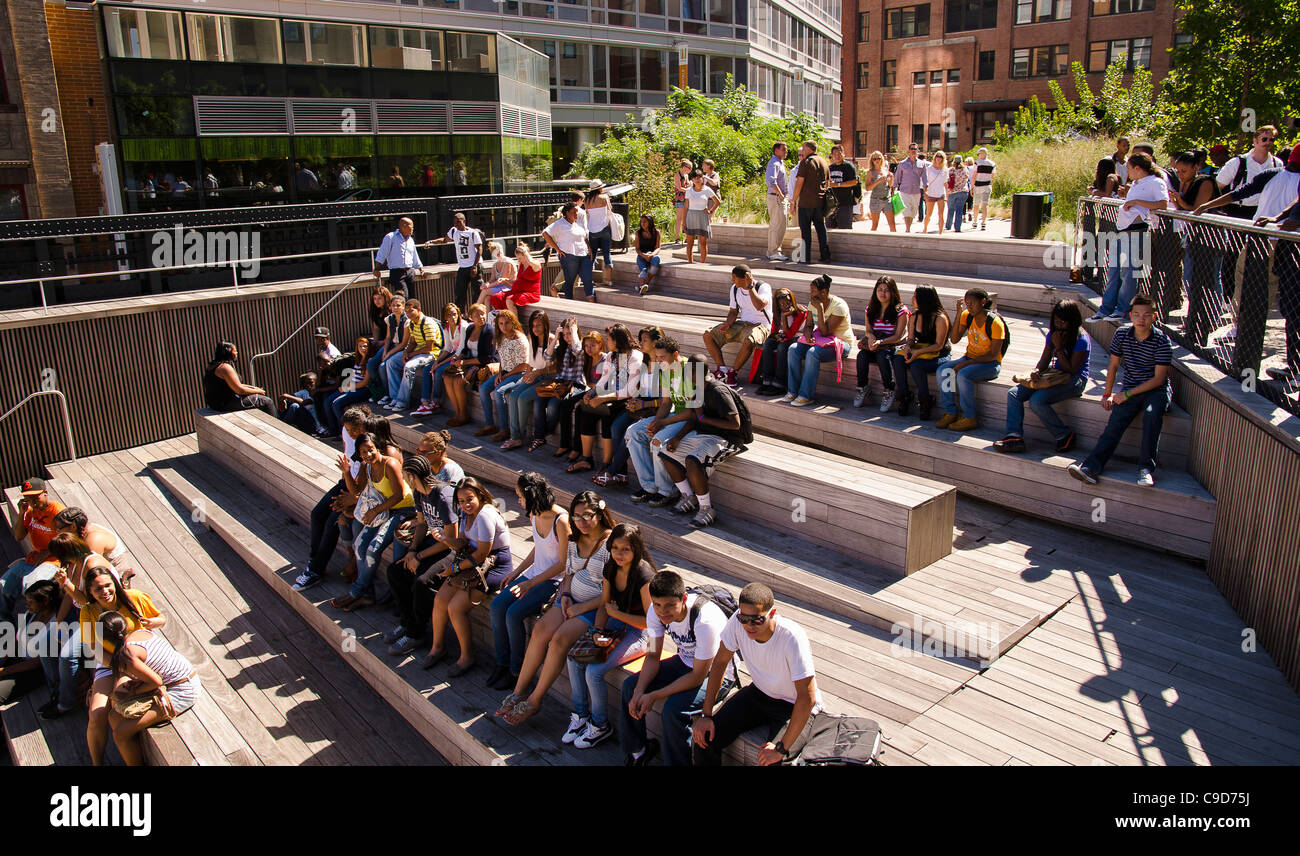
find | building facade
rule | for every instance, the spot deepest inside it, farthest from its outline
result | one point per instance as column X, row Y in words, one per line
column 944, row 73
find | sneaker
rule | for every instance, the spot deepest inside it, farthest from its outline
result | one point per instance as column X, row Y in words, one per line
column 642, row 495
column 666, row 501
column 1146, row 478
column 51, row 710
column 384, row 401
column 1010, row 444
column 861, row 397
column 720, row 374
column 730, row 379
column 787, row 398
column 687, row 505
column 422, row 410
column 705, row 517
column 778, row 257
column 393, row 405
column 577, row 725
column 964, row 424
column 643, row 290
column 946, row 420
column 983, row 226
column 650, row 752
column 1082, row 473
column 887, row 402
column 1098, row 317
column 801, row 402
column 306, row 580
column 393, row 635
column 593, row 735
column 1065, row 443
column 403, row 645
column 1115, row 316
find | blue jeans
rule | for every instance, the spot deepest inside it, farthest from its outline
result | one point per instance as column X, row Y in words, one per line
column 1121, row 266
column 574, row 267
column 390, row 372
column 501, row 399
column 601, row 242
column 61, row 671
column 803, row 363
column 520, row 404
column 675, row 729
column 916, row 371
column 587, row 682
column 956, row 210
column 618, row 433
column 1040, row 401
column 651, row 268
column 11, row 590
column 403, row 378
column 340, row 403
column 374, row 369
column 433, row 386
column 485, row 390
column 369, row 544
column 508, row 614
column 1152, row 406
column 650, row 470
column 964, row 385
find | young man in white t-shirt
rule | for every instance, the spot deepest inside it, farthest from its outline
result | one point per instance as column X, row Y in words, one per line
column 783, row 692
column 982, row 187
column 695, row 625
column 468, row 244
column 749, row 319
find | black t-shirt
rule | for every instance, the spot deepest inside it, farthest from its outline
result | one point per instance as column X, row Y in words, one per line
column 1194, row 188
column 646, row 243
column 718, row 404
column 629, row 599
column 841, row 172
column 436, row 507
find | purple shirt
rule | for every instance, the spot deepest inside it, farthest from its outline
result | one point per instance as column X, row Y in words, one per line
column 909, row 176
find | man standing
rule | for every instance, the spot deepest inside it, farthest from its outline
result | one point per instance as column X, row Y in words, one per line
column 1243, row 169
column 749, row 302
column 983, row 187
column 810, row 195
column 469, row 250
column 397, row 253
column 36, row 513
column 1116, row 165
column 1286, row 264
column 778, row 191
column 843, row 181
column 783, row 692
column 304, row 178
column 909, row 176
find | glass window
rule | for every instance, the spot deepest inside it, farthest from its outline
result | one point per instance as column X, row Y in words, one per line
column 320, row 43
column 720, row 11
column 891, row 138
column 863, row 75
column 228, row 38
column 971, row 15
column 393, row 47
column 918, row 134
column 622, row 13
column 936, row 77
column 1033, row 11
column 860, row 147
column 864, row 26
column 652, row 7
column 654, row 70
column 719, row 68
column 987, row 65
column 695, row 71
column 889, row 73
column 1131, row 52
column 918, row 78
column 954, row 75
column 471, row 52
column 622, row 67
column 1046, row 61
column 143, row 33
column 1120, row 7
column 907, row 22
column 986, row 121
column 574, row 61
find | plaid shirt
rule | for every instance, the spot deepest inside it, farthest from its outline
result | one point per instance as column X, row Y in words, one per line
column 570, row 366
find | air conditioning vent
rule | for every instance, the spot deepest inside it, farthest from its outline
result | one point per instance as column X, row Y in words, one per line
column 243, row 117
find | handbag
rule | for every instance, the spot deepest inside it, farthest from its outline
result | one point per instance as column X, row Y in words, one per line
column 594, row 645
column 473, row 580
column 370, row 498
column 1049, row 378
column 554, row 389
column 896, row 202
column 137, row 705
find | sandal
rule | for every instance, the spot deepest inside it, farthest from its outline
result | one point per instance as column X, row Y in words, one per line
column 507, row 705
column 599, row 478
column 511, row 444
column 520, row 713
column 581, row 465
column 615, row 480
column 560, row 453
column 535, row 445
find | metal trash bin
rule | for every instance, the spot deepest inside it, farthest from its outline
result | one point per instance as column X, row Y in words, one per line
column 1029, row 211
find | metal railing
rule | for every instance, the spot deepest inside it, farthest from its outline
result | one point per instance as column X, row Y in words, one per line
column 67, row 420
column 252, row 364
column 1225, row 289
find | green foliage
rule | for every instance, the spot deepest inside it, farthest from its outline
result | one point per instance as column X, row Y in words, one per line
column 1116, row 111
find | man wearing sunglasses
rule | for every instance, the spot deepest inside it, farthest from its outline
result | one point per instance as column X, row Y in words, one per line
column 783, row 692
column 1243, row 168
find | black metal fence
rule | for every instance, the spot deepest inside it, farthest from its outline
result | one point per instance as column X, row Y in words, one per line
column 1224, row 289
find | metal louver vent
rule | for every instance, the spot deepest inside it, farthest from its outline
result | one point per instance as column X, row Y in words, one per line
column 332, row 116
column 528, row 125
column 412, row 117
column 228, row 117
column 543, row 126
column 474, row 118
column 510, row 117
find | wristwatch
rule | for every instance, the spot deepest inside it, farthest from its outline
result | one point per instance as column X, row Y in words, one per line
column 780, row 747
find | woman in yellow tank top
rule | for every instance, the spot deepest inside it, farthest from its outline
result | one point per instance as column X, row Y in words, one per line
column 385, row 501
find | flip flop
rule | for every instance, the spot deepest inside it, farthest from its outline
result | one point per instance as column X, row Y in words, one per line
column 520, row 713
column 535, row 445
column 581, row 465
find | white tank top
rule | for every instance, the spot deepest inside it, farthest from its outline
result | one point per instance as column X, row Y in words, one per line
column 546, row 551
column 597, row 218
column 118, row 553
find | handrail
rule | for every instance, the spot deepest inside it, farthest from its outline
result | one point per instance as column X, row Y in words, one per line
column 1236, row 224
column 67, row 421
column 252, row 364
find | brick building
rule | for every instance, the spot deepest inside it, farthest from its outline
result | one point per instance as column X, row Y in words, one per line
column 944, row 72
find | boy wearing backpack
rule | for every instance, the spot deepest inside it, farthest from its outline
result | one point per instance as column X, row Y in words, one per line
column 783, row 692
column 718, row 429
column 988, row 340
column 695, row 621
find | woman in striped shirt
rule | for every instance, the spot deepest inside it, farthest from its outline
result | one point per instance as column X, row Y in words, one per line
column 886, row 328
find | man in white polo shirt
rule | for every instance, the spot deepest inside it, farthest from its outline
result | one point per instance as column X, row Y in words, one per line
column 748, row 320
column 783, row 693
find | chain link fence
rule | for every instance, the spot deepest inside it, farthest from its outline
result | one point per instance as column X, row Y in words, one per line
column 1224, row 289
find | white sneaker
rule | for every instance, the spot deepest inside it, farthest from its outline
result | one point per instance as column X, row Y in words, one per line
column 577, row 725
column 1146, row 478
column 787, row 398
column 861, row 398
column 383, row 401
column 778, row 257
column 593, row 735
column 393, row 635
column 887, row 402
column 801, row 402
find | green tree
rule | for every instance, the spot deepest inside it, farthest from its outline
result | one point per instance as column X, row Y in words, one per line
column 1235, row 74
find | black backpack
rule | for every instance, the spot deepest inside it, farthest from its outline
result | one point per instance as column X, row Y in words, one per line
column 839, row 741
column 1006, row 328
column 746, row 422
column 722, row 597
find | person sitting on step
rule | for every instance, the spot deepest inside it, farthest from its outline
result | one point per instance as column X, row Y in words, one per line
column 635, row 408
column 827, row 336
column 620, row 380
column 1063, row 365
column 787, row 326
column 749, row 317
column 224, row 392
column 475, row 353
column 926, row 344
column 514, row 350
column 678, row 382
column 34, row 521
column 385, row 501
column 985, row 333
column 886, row 327
column 572, row 357
column 1144, row 352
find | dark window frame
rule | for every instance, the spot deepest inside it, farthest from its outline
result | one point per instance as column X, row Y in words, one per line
column 897, row 21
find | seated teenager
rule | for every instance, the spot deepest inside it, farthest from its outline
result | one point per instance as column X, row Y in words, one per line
column 224, row 392
column 421, row 348
column 528, row 589
column 926, row 345
column 786, row 329
column 483, row 536
column 453, row 337
column 695, row 624
column 678, row 381
column 144, row 662
column 827, row 336
column 325, row 515
column 619, row 380
column 572, row 357
column 475, row 353
column 985, row 333
column 44, row 647
column 1143, row 352
column 353, row 386
column 782, row 694
column 384, row 501
column 720, row 429
column 594, row 365
column 501, row 279
column 1063, row 365
column 387, row 361
column 635, row 408
column 35, row 521
column 413, row 575
column 298, row 408
column 749, row 318
column 648, row 241
column 886, row 328
column 574, row 609
column 104, row 593
column 513, row 351
column 625, row 600
column 525, row 288
column 518, row 399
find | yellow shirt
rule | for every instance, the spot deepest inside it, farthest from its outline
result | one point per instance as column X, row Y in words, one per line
column 977, row 340
column 90, row 617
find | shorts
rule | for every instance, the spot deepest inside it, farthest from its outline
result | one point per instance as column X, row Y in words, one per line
column 739, row 332
column 707, row 449
column 185, row 694
column 911, row 204
column 935, row 199
column 880, row 206
column 679, row 203
column 982, row 194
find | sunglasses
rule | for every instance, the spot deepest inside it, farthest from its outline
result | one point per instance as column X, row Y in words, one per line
column 751, row 620
column 1267, row 139
column 587, row 516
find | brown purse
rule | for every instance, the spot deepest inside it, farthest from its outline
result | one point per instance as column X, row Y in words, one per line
column 594, row 645
column 473, row 580
column 1045, row 380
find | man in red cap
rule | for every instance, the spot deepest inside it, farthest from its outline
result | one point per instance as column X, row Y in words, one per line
column 36, row 513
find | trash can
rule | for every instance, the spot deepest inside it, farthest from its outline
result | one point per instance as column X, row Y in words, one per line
column 1029, row 211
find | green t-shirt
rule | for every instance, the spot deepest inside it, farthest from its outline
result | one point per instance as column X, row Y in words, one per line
column 680, row 388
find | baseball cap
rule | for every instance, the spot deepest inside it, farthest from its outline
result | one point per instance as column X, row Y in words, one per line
column 322, row 332
column 1219, row 149
column 1294, row 158
column 34, row 486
